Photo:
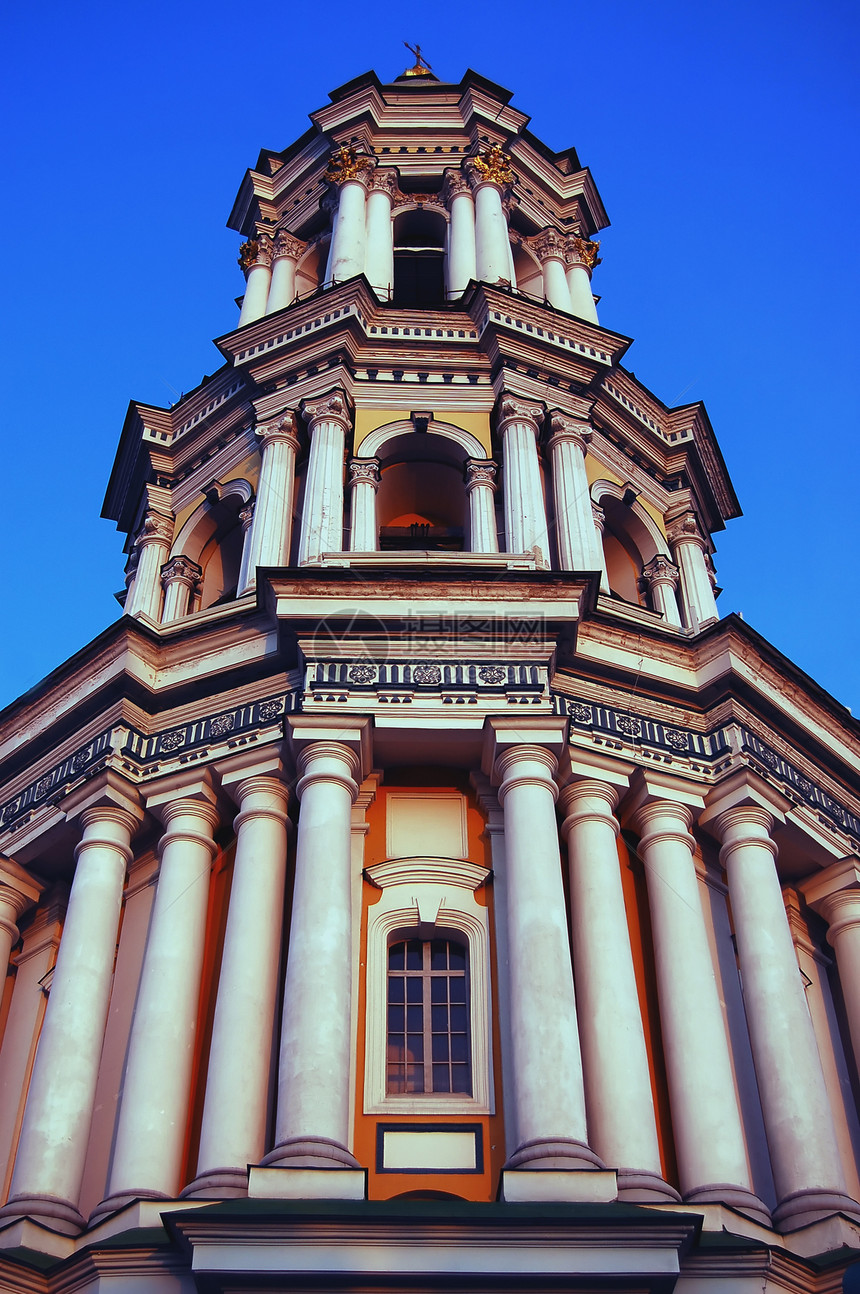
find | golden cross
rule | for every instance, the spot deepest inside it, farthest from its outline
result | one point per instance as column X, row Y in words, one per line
column 420, row 61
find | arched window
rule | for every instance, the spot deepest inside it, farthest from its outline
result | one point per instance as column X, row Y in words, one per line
column 429, row 1034
column 419, row 240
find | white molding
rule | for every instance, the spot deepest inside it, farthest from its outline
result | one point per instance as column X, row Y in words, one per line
column 427, row 897
column 374, row 440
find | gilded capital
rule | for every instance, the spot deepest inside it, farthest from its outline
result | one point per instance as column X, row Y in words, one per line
column 491, row 166
column 581, row 251
column 347, row 163
column 256, row 251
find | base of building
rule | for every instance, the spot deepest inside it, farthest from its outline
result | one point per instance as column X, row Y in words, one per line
column 287, row 1183
column 553, row 1186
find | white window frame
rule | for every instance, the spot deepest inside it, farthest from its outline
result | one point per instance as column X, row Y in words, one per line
column 427, row 898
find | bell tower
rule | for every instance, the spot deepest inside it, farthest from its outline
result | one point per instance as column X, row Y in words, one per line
column 421, row 859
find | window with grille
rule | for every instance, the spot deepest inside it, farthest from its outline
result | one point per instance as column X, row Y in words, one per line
column 428, row 1017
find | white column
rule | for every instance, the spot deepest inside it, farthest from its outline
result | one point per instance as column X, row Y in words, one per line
column 246, row 517
column 286, row 251
column 549, row 247
column 153, row 543
column 548, row 1085
column 312, row 1125
column 661, row 577
column 581, row 257
column 18, row 892
column 525, row 511
column 150, row 1135
column 322, row 514
column 490, row 176
column 255, row 258
column 363, row 482
column 688, row 549
column 480, row 475
column 349, row 171
column 835, row 893
column 52, row 1149
column 379, row 252
column 706, row 1121
column 599, row 517
column 461, row 267
column 233, row 1129
column 618, row 1097
column 574, row 520
column 804, row 1154
column 179, row 578
column 272, row 523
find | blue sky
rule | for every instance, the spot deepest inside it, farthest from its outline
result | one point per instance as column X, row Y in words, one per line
column 722, row 138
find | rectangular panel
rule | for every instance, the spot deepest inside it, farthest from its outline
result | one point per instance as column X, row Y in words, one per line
column 402, row 1148
column 426, row 825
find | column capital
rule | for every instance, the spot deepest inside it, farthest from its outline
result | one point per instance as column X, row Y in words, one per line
column 352, row 733
column 255, row 251
column 185, row 787
column 286, row 244
column 684, row 529
column 563, row 426
column 332, row 407
column 548, row 245
column 479, row 471
column 155, row 529
column 284, row 427
column 660, row 570
column 581, row 251
column 490, row 166
column 454, row 185
column 589, row 801
column 108, row 790
column 538, row 739
column 181, row 570
column 655, row 794
column 18, row 889
column 384, row 181
column 346, row 163
column 742, row 789
column 365, row 471
column 514, row 409
column 577, row 765
column 835, row 894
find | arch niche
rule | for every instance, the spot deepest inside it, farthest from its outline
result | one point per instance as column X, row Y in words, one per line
column 213, row 536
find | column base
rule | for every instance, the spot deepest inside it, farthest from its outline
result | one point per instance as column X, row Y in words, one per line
column 565, row 1186
column 310, row 1152
column 802, row 1208
column 641, row 1186
column 288, row 1183
column 217, row 1184
column 48, row 1210
column 120, row 1200
column 734, row 1197
column 558, row 1152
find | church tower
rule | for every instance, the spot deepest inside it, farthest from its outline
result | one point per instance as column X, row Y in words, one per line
column 420, row 883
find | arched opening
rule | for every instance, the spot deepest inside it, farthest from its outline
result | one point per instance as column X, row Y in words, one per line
column 529, row 275
column 631, row 538
column 311, row 268
column 419, row 241
column 421, row 502
column 213, row 536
